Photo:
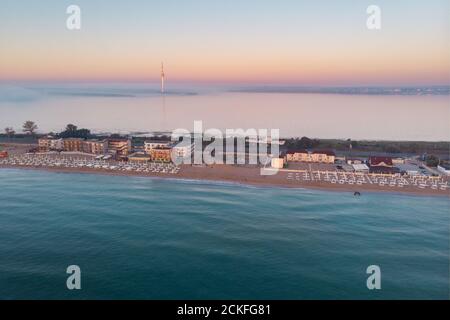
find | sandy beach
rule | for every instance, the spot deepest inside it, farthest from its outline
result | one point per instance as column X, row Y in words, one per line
column 246, row 175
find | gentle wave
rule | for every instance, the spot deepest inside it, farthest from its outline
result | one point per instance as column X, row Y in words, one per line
column 172, row 239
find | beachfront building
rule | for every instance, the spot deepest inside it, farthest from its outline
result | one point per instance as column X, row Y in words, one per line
column 398, row 161
column 298, row 155
column 47, row 144
column 73, row 145
column 161, row 154
column 323, row 156
column 3, row 154
column 376, row 161
column 120, row 147
column 318, row 156
column 149, row 145
column 444, row 169
column 44, row 144
column 360, row 168
column 56, row 144
column 355, row 161
column 138, row 157
column 95, row 146
column 181, row 150
column 382, row 165
column 409, row 169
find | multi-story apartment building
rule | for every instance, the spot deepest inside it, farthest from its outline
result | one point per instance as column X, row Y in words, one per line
column 298, row 156
column 323, row 156
column 44, row 144
column 121, row 147
column 181, row 150
column 149, row 145
column 95, row 146
column 163, row 154
column 139, row 157
column 47, row 144
column 319, row 156
column 73, row 144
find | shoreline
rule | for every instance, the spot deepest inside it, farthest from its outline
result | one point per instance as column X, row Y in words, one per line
column 237, row 176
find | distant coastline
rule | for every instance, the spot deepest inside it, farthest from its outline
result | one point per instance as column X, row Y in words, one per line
column 372, row 90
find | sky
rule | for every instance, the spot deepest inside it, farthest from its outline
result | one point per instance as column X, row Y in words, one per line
column 320, row 42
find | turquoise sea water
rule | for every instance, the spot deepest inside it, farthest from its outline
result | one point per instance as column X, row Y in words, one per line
column 163, row 239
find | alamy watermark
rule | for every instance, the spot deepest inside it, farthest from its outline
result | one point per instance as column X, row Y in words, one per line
column 73, row 21
column 374, row 280
column 74, row 280
column 233, row 146
column 374, row 19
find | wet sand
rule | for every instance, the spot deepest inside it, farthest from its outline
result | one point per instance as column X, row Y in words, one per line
column 248, row 176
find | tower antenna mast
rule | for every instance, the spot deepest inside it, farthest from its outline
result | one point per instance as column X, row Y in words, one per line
column 162, row 77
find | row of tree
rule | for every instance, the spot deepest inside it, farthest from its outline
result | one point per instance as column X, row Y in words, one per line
column 29, row 127
column 71, row 131
column 302, row 143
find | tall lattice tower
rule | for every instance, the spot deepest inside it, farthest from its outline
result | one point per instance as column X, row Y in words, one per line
column 162, row 77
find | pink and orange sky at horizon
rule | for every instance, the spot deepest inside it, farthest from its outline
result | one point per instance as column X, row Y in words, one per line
column 292, row 42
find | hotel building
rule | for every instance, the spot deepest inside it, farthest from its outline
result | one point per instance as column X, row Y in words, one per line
column 162, row 154
column 73, row 145
column 298, row 156
column 382, row 165
column 47, row 144
column 139, row 157
column 152, row 144
column 95, row 146
column 181, row 150
column 319, row 156
column 323, row 156
column 121, row 147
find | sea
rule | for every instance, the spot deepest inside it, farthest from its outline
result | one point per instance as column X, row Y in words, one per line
column 341, row 113
column 149, row 238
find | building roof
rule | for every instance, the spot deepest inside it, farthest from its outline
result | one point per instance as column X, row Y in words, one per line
column 327, row 152
column 118, row 139
column 180, row 145
column 407, row 167
column 297, row 151
column 162, row 148
column 95, row 141
column 377, row 161
column 139, row 155
column 360, row 167
column 157, row 141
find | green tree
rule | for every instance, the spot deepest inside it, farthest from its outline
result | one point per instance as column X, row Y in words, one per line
column 29, row 127
column 72, row 131
column 305, row 143
column 9, row 131
column 70, row 128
